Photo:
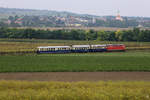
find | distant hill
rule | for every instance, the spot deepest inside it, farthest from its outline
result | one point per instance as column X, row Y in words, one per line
column 33, row 12
column 14, row 17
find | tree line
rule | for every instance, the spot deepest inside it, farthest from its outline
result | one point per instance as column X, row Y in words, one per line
column 120, row 35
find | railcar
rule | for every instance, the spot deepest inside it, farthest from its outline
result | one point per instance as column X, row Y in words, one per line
column 80, row 48
column 98, row 48
column 54, row 49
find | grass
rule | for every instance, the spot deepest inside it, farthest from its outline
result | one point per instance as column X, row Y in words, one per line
column 125, row 61
column 17, row 90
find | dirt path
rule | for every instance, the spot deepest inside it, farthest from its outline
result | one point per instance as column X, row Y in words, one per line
column 77, row 76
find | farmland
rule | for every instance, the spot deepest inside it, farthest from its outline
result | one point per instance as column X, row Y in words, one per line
column 124, row 61
column 17, row 90
column 129, row 72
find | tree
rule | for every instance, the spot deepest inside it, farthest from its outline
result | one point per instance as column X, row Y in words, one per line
column 136, row 32
column 118, row 35
column 101, row 35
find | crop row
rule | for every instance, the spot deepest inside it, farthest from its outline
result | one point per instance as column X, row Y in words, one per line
column 17, row 90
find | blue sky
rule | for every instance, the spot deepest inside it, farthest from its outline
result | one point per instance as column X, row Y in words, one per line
column 96, row 7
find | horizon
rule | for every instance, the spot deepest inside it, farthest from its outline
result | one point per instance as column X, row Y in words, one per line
column 73, row 12
column 134, row 8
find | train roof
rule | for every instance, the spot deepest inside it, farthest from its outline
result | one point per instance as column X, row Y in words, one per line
column 81, row 46
column 114, row 44
column 54, row 47
column 98, row 45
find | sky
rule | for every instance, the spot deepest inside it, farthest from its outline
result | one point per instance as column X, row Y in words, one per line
column 95, row 7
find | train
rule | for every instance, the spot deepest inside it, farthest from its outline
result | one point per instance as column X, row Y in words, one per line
column 81, row 48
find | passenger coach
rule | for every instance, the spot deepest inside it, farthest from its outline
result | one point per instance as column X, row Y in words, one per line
column 97, row 48
column 54, row 49
column 80, row 48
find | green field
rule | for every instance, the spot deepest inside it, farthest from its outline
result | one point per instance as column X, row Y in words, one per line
column 118, row 61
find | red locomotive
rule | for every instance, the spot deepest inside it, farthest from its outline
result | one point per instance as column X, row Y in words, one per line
column 115, row 47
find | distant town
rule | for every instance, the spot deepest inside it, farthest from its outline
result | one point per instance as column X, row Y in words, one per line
column 43, row 18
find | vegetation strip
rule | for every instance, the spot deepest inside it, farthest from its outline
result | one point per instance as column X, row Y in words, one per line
column 18, row 90
column 126, row 35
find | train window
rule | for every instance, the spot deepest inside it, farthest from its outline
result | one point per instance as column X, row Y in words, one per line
column 53, row 49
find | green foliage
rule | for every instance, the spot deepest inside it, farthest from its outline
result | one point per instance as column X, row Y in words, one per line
column 129, row 35
column 118, row 35
column 126, row 61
